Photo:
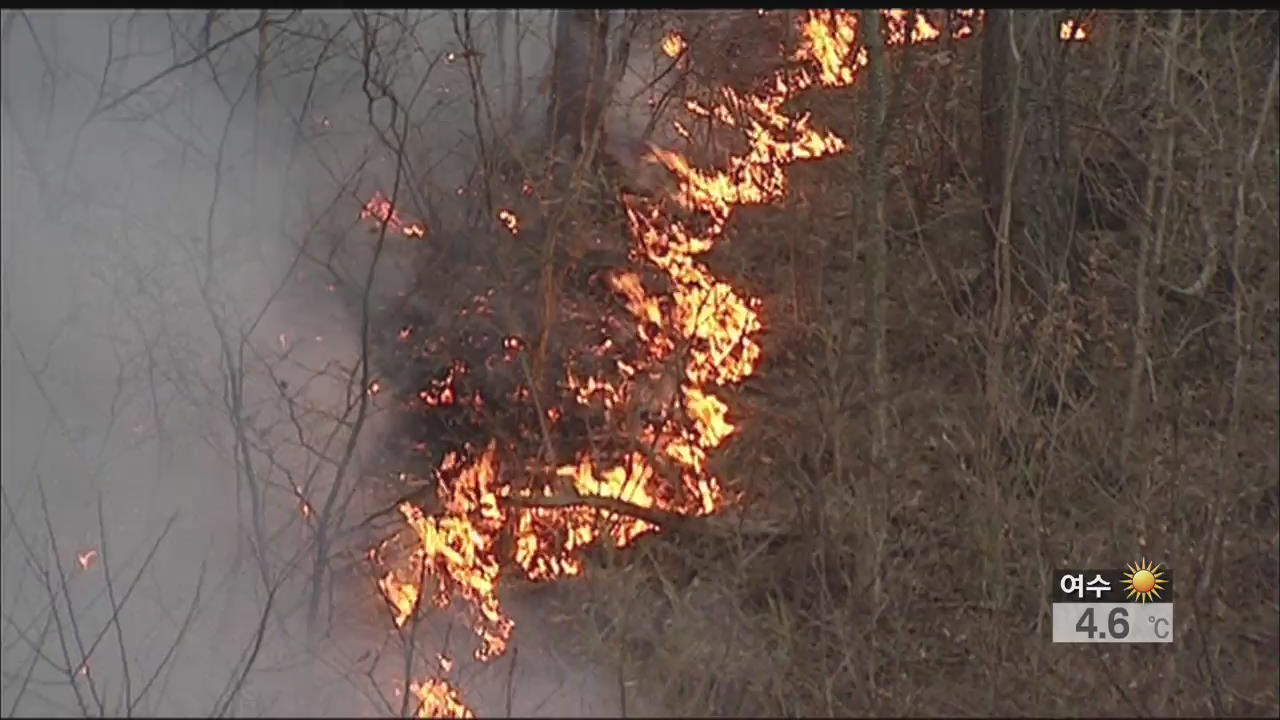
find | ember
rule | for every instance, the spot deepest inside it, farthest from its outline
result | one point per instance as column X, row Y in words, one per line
column 380, row 208
column 510, row 220
column 1070, row 30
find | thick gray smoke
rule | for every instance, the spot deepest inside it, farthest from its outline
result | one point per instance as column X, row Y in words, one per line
column 181, row 353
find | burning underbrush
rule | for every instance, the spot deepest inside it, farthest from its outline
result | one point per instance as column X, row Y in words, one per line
column 566, row 378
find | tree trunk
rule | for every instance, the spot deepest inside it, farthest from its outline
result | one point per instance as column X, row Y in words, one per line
column 1042, row 230
column 949, row 160
column 1151, row 238
column 994, row 116
column 578, row 74
column 1040, row 227
column 873, row 219
column 501, row 19
column 875, row 502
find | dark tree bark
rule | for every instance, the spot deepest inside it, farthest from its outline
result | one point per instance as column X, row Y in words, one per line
column 578, row 79
column 1044, row 213
column 948, row 159
column 1041, row 228
column 994, row 113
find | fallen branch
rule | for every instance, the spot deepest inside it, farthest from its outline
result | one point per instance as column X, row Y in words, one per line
column 654, row 516
column 706, row 526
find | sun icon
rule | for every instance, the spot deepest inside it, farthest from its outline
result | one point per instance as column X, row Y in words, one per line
column 1144, row 581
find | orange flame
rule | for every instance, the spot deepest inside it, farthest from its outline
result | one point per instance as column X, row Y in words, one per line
column 438, row 699
column 441, row 391
column 86, row 558
column 510, row 220
column 896, row 22
column 456, row 549
column 704, row 323
column 379, row 207
column 964, row 22
column 402, row 595
column 673, row 44
column 1071, row 31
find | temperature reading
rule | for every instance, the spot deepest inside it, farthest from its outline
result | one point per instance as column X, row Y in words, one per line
column 1113, row 606
column 1117, row 624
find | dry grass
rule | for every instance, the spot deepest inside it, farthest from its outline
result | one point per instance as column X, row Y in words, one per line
column 973, row 519
column 919, row 585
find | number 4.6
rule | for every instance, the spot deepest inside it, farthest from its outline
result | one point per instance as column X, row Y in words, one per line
column 1117, row 624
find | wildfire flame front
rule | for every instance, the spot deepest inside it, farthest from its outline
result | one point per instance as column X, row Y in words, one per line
column 712, row 322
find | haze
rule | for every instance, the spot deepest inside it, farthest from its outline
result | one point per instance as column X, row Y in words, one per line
column 181, row 246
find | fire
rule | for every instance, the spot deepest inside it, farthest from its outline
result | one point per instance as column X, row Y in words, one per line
column 645, row 308
column 964, row 21
column 708, row 413
column 673, row 44
column 87, row 558
column 380, row 208
column 1072, row 31
column 510, row 220
column 402, row 595
column 438, row 699
column 441, row 391
column 703, row 327
column 586, row 389
column 627, row 483
column 921, row 29
column 828, row 37
column 456, row 551
column 548, row 539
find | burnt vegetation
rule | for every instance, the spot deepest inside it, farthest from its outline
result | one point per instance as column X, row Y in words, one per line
column 1027, row 320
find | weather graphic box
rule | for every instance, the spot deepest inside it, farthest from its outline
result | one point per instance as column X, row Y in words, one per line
column 1133, row 605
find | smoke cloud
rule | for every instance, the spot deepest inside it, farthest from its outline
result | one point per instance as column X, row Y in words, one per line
column 183, row 272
